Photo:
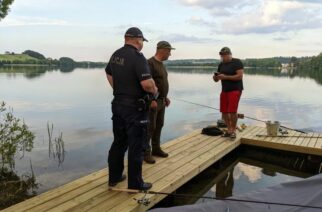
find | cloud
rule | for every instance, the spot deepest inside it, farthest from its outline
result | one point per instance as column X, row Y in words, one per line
column 208, row 3
column 281, row 38
column 196, row 20
column 253, row 173
column 217, row 7
column 263, row 17
column 32, row 21
column 182, row 38
column 274, row 16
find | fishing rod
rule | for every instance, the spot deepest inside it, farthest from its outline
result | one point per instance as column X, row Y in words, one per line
column 288, row 136
column 145, row 201
column 241, row 115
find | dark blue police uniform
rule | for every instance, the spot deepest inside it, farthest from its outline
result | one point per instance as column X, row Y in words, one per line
column 128, row 67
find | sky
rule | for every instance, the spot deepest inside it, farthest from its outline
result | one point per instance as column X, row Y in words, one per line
column 93, row 30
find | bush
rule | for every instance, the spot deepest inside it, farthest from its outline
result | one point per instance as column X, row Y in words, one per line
column 15, row 136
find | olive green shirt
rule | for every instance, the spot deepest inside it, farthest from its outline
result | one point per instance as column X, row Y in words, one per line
column 160, row 76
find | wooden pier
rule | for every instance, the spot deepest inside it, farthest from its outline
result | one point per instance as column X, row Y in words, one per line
column 189, row 155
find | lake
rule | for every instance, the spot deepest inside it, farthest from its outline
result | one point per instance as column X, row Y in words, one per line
column 77, row 104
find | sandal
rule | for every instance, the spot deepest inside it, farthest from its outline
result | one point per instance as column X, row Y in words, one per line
column 233, row 135
column 226, row 135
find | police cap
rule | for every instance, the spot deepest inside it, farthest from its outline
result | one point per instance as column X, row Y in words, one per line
column 135, row 32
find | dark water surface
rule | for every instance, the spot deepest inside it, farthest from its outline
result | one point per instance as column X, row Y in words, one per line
column 77, row 103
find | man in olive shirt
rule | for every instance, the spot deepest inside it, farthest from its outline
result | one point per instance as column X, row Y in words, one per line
column 157, row 110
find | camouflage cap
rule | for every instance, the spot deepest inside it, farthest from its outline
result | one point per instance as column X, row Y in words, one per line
column 225, row 50
column 164, row 45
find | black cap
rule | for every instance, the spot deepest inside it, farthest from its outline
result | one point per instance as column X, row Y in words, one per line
column 225, row 50
column 134, row 32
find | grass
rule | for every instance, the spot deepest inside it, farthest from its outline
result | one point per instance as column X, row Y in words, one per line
column 56, row 145
column 16, row 57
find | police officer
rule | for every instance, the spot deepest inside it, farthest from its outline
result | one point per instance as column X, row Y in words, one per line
column 129, row 75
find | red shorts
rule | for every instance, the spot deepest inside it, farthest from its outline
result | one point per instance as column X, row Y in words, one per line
column 229, row 101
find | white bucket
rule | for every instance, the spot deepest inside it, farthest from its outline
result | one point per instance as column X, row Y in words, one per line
column 272, row 128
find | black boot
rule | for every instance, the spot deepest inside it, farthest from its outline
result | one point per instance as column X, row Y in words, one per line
column 148, row 158
column 159, row 153
column 112, row 184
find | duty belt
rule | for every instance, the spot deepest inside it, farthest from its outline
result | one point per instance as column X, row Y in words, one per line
column 142, row 104
column 128, row 101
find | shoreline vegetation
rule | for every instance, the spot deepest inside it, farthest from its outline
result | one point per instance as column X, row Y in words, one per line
column 33, row 58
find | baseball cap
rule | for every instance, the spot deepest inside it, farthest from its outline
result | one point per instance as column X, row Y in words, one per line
column 164, row 45
column 135, row 32
column 225, row 50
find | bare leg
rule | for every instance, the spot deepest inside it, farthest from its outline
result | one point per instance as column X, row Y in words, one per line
column 233, row 119
column 229, row 121
column 225, row 118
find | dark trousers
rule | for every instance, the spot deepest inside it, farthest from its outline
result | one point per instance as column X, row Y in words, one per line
column 130, row 132
column 156, row 117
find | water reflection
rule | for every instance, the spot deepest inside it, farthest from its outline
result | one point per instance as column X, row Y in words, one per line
column 31, row 72
column 244, row 170
column 224, row 187
column 16, row 188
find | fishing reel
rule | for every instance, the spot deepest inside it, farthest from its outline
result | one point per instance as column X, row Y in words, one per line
column 283, row 131
column 144, row 200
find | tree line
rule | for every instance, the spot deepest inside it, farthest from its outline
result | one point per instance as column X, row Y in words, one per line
column 36, row 58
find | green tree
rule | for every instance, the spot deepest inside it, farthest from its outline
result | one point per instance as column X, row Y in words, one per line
column 34, row 54
column 67, row 62
column 15, row 137
column 4, row 8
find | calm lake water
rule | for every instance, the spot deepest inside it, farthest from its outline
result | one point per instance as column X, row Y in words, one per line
column 77, row 103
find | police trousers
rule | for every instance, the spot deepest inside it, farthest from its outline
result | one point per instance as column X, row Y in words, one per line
column 130, row 133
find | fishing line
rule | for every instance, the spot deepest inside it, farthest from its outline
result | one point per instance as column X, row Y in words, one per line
column 248, row 117
column 146, row 201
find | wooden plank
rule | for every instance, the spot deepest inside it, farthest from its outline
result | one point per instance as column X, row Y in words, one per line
column 65, row 198
column 290, row 134
column 253, row 131
column 280, row 146
column 171, row 173
column 182, row 138
column 293, row 139
column 61, row 190
column 183, row 174
column 311, row 143
column 161, row 175
column 301, row 139
column 205, row 160
column 84, row 181
column 155, row 170
column 319, row 142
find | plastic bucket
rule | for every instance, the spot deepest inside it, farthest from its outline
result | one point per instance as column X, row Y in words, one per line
column 272, row 128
